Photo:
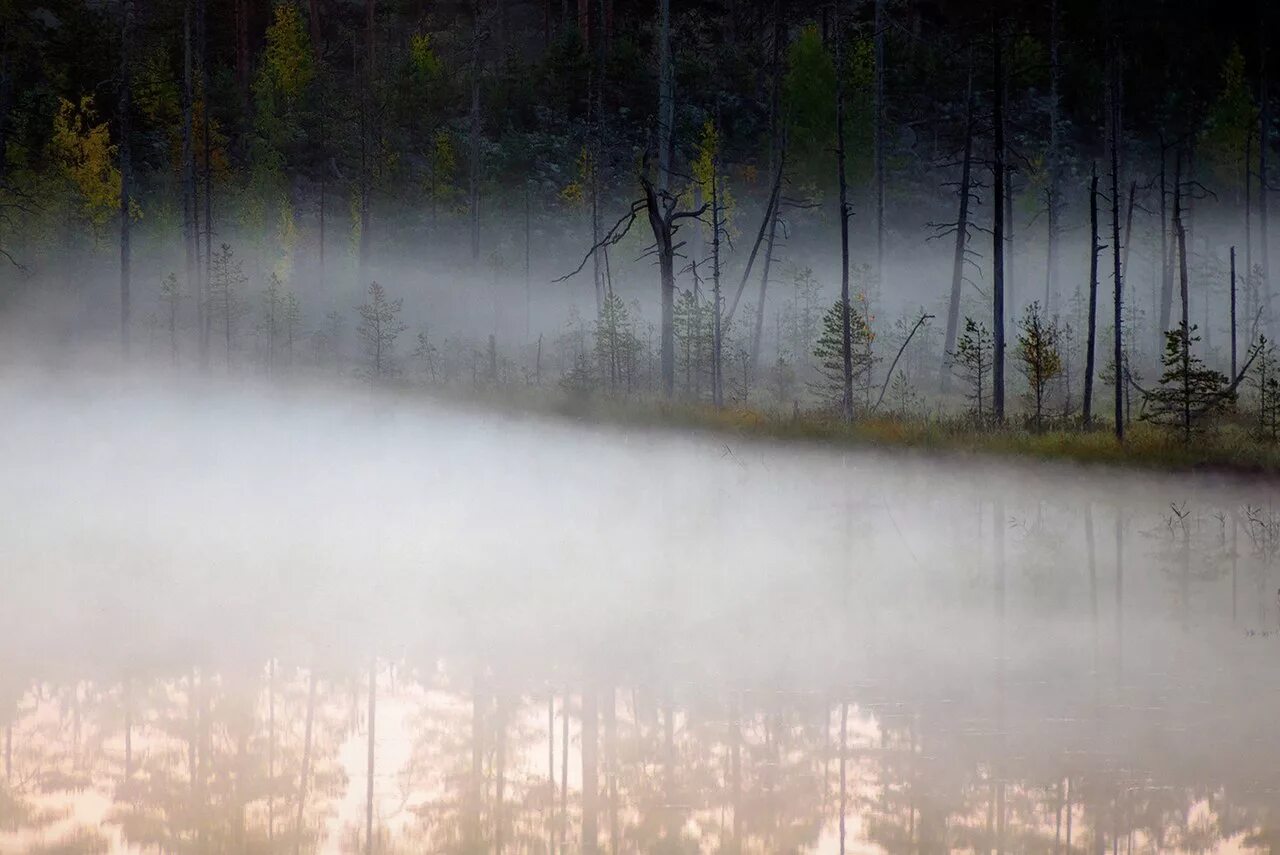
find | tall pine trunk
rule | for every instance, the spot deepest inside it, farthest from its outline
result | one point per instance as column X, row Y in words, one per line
column 126, row 171
column 1052, row 192
column 1118, row 344
column 1090, row 364
column 846, row 330
column 207, row 164
column 666, row 119
column 880, row 25
column 997, row 232
column 962, row 239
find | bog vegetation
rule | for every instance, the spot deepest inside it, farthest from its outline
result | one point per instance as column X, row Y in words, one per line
column 1031, row 221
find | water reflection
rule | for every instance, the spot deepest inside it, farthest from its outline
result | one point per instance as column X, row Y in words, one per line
column 498, row 648
column 1024, row 701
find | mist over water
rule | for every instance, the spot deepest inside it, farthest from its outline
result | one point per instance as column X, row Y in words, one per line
column 1011, row 649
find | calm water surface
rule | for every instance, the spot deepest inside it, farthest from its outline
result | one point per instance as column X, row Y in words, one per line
column 276, row 623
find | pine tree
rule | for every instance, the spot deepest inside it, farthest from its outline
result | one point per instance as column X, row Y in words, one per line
column 378, row 328
column 829, row 351
column 171, row 299
column 271, row 322
column 226, row 305
column 1264, row 381
column 1188, row 392
column 615, row 342
column 1039, row 359
column 971, row 362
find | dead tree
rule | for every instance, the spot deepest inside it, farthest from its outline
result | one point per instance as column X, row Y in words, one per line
column 1090, row 364
column 664, row 214
column 997, row 232
column 1118, row 344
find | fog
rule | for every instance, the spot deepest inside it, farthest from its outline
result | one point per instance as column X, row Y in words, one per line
column 1012, row 649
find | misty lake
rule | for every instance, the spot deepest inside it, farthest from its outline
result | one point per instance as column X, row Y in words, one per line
column 267, row 621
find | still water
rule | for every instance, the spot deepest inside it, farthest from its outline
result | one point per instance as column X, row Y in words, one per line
column 283, row 623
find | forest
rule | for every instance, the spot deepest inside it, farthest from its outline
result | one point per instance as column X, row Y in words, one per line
column 931, row 218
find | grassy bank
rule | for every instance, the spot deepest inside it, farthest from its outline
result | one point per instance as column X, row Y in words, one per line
column 1228, row 447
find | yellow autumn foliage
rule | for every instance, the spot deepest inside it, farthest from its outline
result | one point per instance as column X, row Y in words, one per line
column 81, row 148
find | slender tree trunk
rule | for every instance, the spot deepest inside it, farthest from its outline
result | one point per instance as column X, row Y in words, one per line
column 962, row 239
column 203, row 32
column 1180, row 233
column 1118, row 319
column 305, row 776
column 473, row 161
column 590, row 771
column 1233, row 313
column 366, row 83
column 1248, row 224
column 190, row 228
column 611, row 767
column 880, row 25
column 844, row 788
column 1090, row 365
column 500, row 774
column 1166, row 267
column 1055, row 73
column 271, row 750
column 666, row 130
column 717, row 377
column 1264, row 188
column 126, row 171
column 564, row 770
column 368, row 793
column 777, row 160
column 997, row 234
column 477, row 766
column 666, row 96
column 766, row 266
column 846, row 324
column 551, row 771
column 313, row 19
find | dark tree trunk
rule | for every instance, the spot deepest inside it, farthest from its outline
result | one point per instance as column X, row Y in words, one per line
column 190, row 219
column 846, row 331
column 1090, row 365
column 962, row 240
column 1166, row 266
column 997, row 235
column 366, row 83
column 1118, row 319
column 1053, row 199
column 880, row 25
column 126, row 171
column 1264, row 148
column 207, row 165
column 1233, row 313
column 372, row 724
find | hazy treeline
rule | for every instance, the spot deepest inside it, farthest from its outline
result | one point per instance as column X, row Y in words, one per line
column 230, row 177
